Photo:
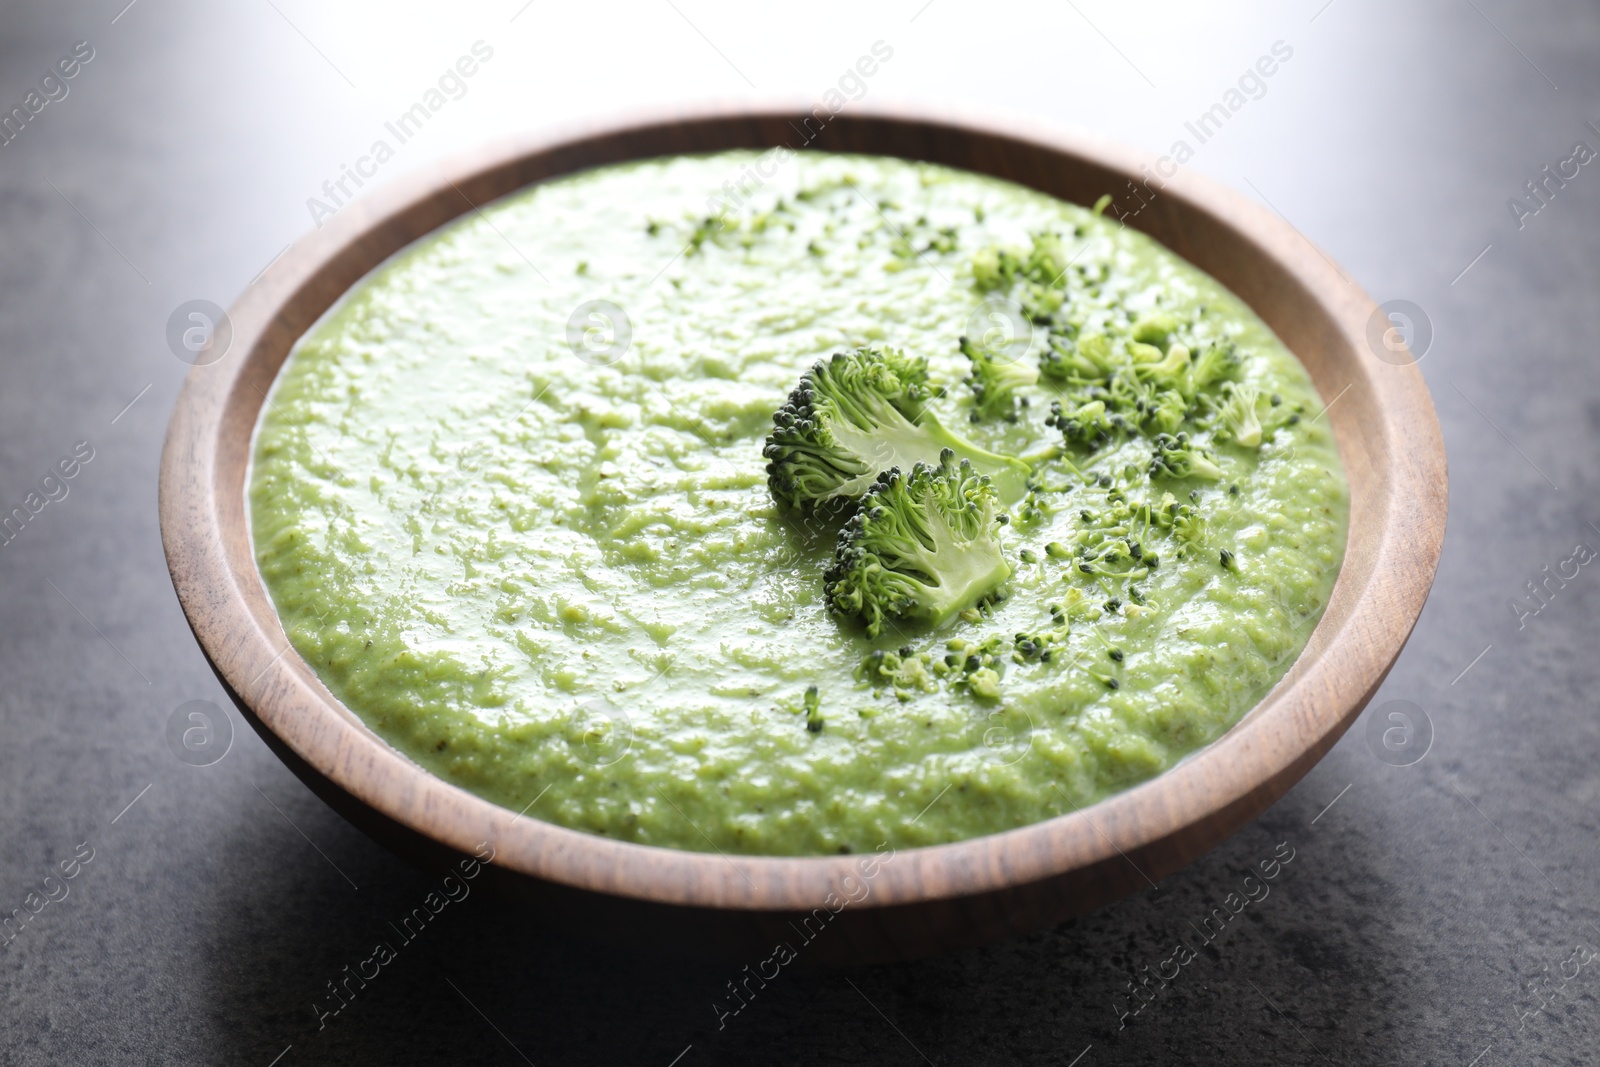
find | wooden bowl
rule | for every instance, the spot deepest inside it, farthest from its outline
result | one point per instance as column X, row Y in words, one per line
column 923, row 900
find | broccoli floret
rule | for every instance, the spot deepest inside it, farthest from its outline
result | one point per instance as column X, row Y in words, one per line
column 1114, row 557
column 975, row 665
column 1176, row 457
column 1087, row 424
column 1089, row 358
column 1189, row 526
column 1239, row 414
column 1183, row 521
column 994, row 268
column 1144, row 355
column 995, row 381
column 984, row 683
column 923, row 546
column 1216, row 364
column 1166, row 411
column 1044, row 499
column 1047, row 260
column 857, row 415
column 906, row 671
column 1155, row 329
column 1169, row 372
column 1040, row 301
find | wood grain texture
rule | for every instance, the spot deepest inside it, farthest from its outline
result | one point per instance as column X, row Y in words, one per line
column 924, row 900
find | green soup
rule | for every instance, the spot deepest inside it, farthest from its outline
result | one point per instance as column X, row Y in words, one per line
column 528, row 537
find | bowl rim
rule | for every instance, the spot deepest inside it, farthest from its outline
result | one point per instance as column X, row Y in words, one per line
column 1166, row 821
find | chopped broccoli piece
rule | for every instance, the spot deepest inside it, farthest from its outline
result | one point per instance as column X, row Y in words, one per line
column 1155, row 329
column 906, row 671
column 1144, row 355
column 1238, row 413
column 994, row 268
column 1089, row 358
column 984, row 683
column 813, row 709
column 857, row 415
column 1140, row 389
column 707, row 228
column 1169, row 372
column 1183, row 521
column 1216, row 364
column 1116, row 558
column 1166, row 411
column 995, row 381
column 1040, row 302
column 975, row 666
column 1087, row 424
column 1047, row 260
column 1176, row 457
column 924, row 546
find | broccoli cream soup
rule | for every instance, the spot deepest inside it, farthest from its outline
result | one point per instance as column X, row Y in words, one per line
column 877, row 503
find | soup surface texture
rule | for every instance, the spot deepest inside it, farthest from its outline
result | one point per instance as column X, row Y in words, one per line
column 510, row 501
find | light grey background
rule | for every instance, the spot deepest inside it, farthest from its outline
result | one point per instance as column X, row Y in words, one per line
column 1428, row 912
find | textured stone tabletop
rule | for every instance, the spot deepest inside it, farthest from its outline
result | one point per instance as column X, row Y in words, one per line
column 1438, row 910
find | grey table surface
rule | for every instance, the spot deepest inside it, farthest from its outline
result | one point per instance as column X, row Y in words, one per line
column 1440, row 912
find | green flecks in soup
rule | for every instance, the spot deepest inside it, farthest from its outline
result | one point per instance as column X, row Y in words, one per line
column 529, row 538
